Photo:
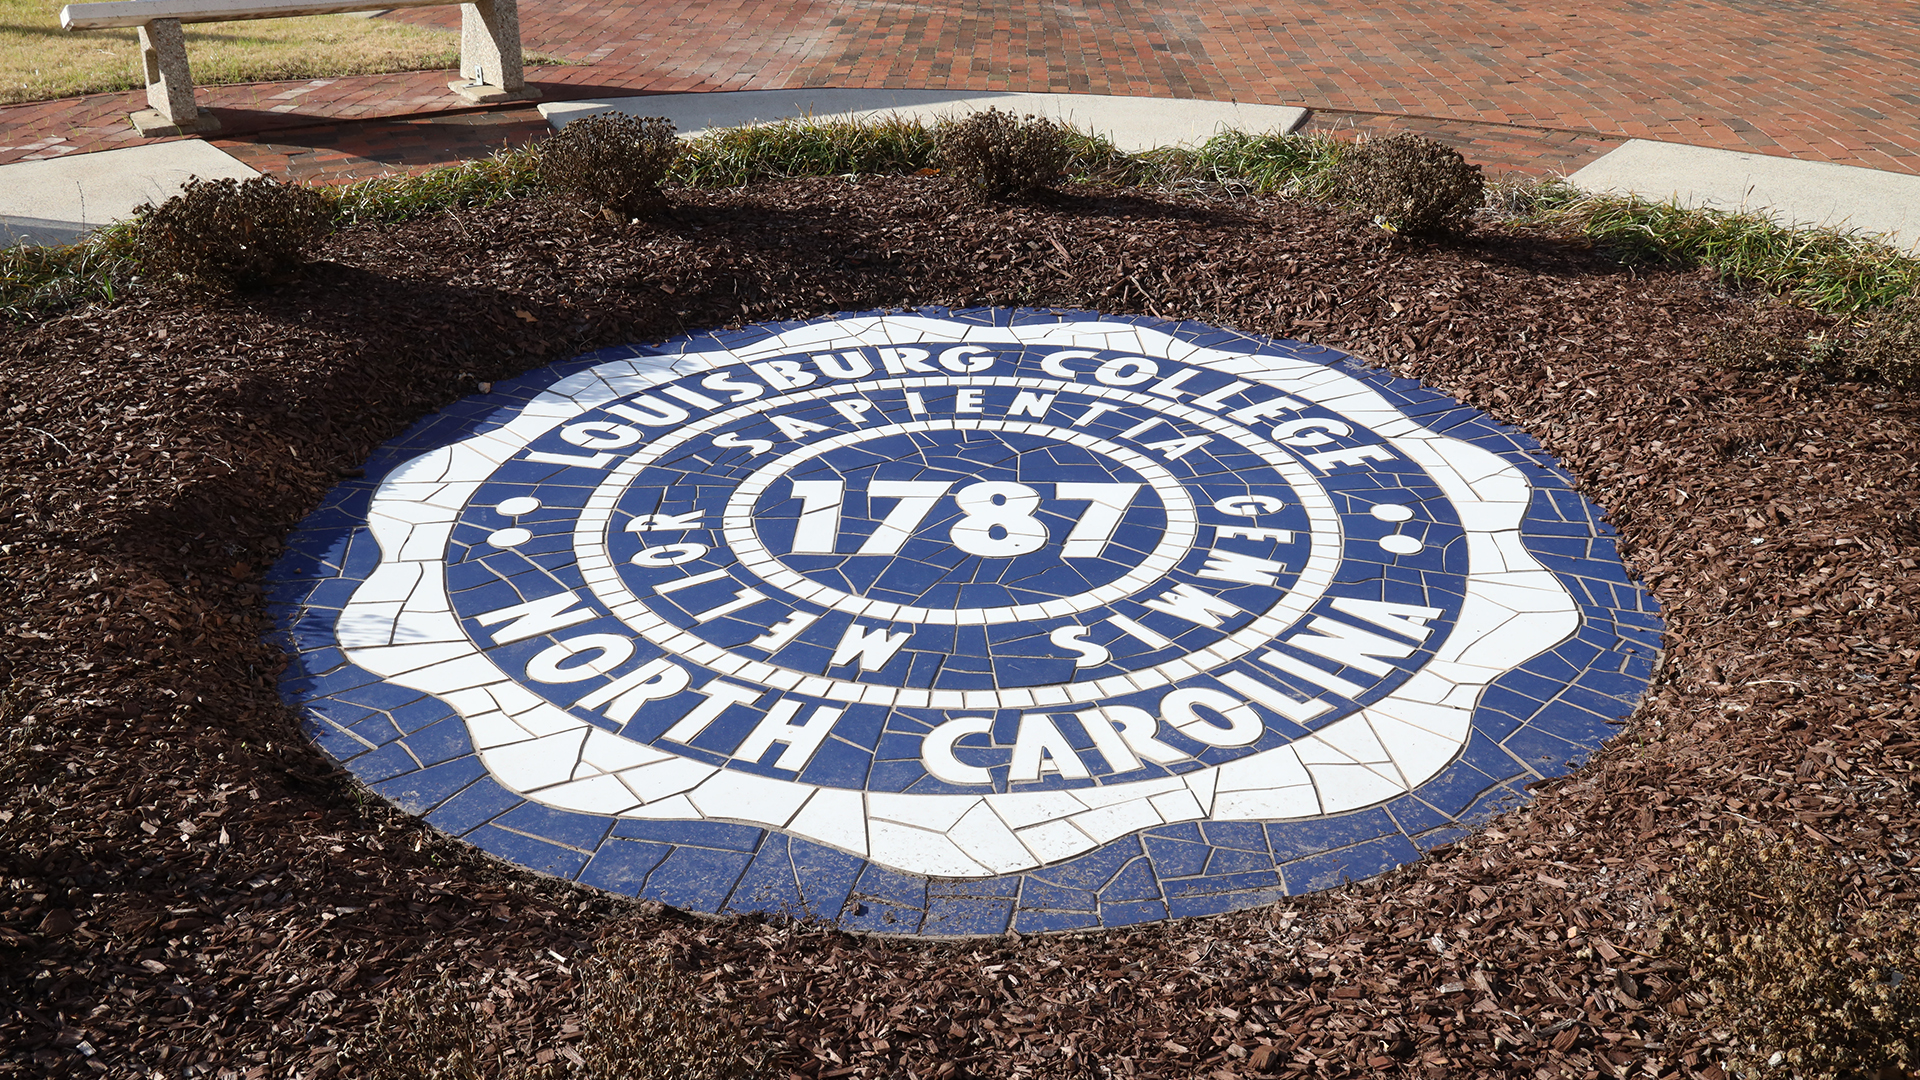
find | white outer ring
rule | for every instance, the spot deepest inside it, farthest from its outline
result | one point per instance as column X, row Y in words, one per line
column 399, row 625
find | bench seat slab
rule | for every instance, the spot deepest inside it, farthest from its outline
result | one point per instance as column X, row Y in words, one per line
column 111, row 14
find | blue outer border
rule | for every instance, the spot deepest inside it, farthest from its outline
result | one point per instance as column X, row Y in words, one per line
column 1538, row 721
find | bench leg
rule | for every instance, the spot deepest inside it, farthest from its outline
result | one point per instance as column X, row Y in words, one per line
column 163, row 53
column 490, row 53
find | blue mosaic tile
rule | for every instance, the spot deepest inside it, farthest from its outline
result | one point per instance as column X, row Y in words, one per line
column 1042, row 895
column 621, row 866
column 475, row 805
column 1031, row 921
column 709, row 834
column 1216, row 903
column 584, row 831
column 421, row 790
column 769, row 884
column 541, row 856
column 696, row 879
column 1134, row 883
column 967, row 916
column 337, row 741
column 901, row 583
column 1356, row 863
column 1132, row 913
column 825, row 876
column 384, row 764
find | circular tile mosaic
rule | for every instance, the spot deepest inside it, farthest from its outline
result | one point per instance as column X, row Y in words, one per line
column 955, row 622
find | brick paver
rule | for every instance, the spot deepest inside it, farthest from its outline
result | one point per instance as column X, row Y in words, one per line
column 1498, row 148
column 361, row 149
column 1522, row 82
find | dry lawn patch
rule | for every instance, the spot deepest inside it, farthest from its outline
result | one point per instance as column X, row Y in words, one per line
column 40, row 61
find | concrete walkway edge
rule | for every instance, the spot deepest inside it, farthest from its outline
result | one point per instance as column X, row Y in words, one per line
column 59, row 200
column 1879, row 205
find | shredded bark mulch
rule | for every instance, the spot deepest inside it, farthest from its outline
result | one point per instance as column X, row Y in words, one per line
column 191, row 889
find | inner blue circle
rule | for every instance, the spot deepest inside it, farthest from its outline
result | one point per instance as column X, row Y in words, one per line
column 928, row 562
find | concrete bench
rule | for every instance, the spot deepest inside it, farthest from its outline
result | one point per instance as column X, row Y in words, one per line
column 489, row 47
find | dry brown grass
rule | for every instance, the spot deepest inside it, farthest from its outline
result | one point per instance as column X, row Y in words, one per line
column 40, row 61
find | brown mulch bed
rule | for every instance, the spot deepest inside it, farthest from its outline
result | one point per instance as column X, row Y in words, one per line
column 191, row 889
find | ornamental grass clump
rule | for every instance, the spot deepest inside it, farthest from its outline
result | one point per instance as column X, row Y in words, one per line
column 613, row 160
column 1889, row 345
column 992, row 156
column 809, row 146
column 229, row 235
column 1878, row 345
column 1756, row 348
column 1809, row 981
column 1410, row 185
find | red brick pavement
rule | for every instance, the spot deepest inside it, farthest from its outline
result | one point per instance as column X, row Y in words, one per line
column 1498, row 148
column 361, row 149
column 1832, row 82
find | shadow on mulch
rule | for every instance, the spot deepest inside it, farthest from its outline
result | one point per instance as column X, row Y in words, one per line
column 192, row 889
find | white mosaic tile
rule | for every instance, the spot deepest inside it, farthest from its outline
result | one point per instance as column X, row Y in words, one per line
column 985, row 839
column 1267, row 804
column 1418, row 752
column 676, row 808
column 729, row 794
column 537, row 763
column 1117, row 820
column 660, row 780
column 601, row 795
column 920, row 851
column 1055, row 841
column 1031, row 807
column 1347, row 787
column 936, row 812
column 836, row 817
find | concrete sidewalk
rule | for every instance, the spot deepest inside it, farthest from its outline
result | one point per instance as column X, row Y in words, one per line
column 1845, row 197
column 59, row 200
column 1134, row 124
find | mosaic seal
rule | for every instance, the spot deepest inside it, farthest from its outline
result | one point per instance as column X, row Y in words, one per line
column 956, row 622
